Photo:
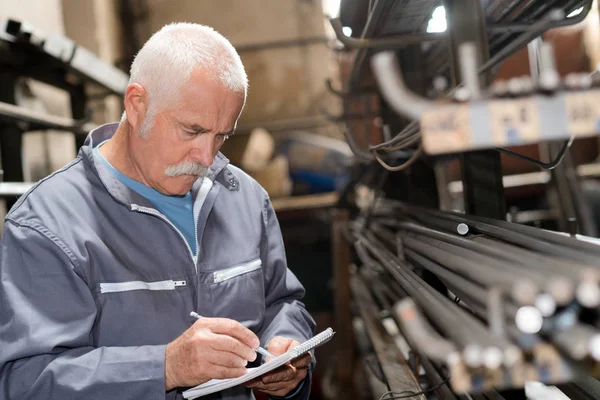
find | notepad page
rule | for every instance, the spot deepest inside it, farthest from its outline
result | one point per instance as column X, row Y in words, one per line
column 216, row 385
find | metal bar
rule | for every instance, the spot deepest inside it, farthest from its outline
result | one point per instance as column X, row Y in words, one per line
column 384, row 43
column 498, row 251
column 391, row 84
column 541, row 234
column 536, row 30
column 421, row 335
column 524, row 236
column 443, row 392
column 468, row 333
column 521, row 27
column 466, row 267
column 78, row 111
column 10, row 137
column 281, row 44
column 397, row 372
column 14, row 189
column 481, row 171
column 342, row 298
column 14, row 113
column 456, row 281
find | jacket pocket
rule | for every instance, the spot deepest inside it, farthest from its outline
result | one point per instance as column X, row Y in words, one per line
column 238, row 293
column 232, row 272
column 140, row 285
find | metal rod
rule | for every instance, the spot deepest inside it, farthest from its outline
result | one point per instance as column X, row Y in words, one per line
column 480, row 349
column 391, row 84
column 473, row 271
column 14, row 113
column 536, row 29
column 381, row 44
column 455, row 281
column 419, row 334
column 556, row 278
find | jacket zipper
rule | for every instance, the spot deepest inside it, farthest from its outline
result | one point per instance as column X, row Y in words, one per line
column 206, row 186
column 232, row 272
column 151, row 211
column 139, row 285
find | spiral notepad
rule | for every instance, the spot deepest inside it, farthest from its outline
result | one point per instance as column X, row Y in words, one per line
column 216, row 385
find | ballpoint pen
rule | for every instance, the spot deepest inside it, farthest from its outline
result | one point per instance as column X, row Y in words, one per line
column 259, row 349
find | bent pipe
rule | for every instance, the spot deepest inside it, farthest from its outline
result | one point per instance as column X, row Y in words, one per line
column 391, row 84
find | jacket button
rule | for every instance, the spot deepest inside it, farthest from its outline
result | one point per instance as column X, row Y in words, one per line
column 232, row 182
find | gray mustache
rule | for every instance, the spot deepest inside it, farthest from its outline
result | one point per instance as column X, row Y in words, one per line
column 186, row 168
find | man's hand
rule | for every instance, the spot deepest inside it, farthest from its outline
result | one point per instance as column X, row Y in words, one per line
column 284, row 379
column 211, row 348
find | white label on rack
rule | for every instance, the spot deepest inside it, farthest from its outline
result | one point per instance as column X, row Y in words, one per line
column 514, row 122
column 446, row 129
column 583, row 113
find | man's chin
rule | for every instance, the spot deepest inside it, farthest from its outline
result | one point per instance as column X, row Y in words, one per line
column 183, row 186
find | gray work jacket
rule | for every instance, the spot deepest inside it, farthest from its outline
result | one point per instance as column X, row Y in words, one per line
column 94, row 281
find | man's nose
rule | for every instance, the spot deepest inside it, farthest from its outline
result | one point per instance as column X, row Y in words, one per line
column 203, row 151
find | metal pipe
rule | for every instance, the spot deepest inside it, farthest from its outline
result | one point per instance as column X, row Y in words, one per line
column 14, row 113
column 519, row 27
column 424, row 338
column 455, row 281
column 515, row 234
column 536, row 29
column 279, row 44
column 468, row 61
column 578, row 341
column 381, row 44
column 391, row 83
column 431, row 304
column 548, row 236
column 460, row 228
column 491, row 355
column 473, row 271
column 549, row 78
column 558, row 281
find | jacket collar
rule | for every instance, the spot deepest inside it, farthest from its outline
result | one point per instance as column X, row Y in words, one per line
column 218, row 171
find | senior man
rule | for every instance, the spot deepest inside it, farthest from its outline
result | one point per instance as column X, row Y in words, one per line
column 102, row 262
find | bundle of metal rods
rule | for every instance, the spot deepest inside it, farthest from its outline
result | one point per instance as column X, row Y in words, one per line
column 514, row 298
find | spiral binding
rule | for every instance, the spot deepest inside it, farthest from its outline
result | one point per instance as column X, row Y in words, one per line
column 315, row 341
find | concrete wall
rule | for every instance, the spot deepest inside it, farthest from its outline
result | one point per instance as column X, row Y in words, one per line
column 284, row 82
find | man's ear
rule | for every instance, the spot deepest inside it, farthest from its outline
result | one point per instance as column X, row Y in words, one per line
column 136, row 104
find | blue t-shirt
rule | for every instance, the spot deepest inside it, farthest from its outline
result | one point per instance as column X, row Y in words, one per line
column 178, row 209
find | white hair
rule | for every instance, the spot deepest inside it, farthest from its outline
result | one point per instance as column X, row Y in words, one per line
column 166, row 61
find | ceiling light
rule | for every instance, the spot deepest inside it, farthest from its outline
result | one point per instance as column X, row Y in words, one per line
column 437, row 23
column 331, row 8
column 347, row 31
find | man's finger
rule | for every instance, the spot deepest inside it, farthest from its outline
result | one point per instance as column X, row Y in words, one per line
column 303, row 361
column 226, row 343
column 282, row 374
column 279, row 345
column 219, row 372
column 225, row 359
column 232, row 328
